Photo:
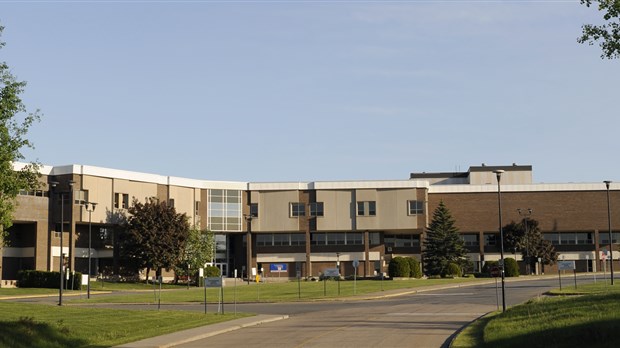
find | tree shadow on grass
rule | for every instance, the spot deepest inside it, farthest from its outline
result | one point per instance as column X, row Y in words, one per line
column 26, row 333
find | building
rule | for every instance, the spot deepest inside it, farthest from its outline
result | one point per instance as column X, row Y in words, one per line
column 286, row 229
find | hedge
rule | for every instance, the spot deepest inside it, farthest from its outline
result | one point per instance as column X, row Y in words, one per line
column 44, row 279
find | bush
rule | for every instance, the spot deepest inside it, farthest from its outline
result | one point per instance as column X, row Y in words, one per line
column 399, row 267
column 454, row 270
column 414, row 268
column 511, row 267
column 212, row 271
column 488, row 265
column 44, row 279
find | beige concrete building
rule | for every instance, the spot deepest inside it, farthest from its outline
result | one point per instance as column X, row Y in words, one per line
column 286, row 229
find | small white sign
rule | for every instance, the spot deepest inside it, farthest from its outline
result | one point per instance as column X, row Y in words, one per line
column 566, row 265
column 201, row 272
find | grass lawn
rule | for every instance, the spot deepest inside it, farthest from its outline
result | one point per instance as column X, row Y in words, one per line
column 277, row 292
column 589, row 320
column 30, row 325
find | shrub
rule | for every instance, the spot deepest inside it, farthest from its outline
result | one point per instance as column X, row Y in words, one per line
column 414, row 268
column 212, row 271
column 399, row 267
column 511, row 267
column 454, row 270
column 488, row 265
column 44, row 279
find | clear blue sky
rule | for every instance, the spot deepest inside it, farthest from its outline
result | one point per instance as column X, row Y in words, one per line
column 311, row 90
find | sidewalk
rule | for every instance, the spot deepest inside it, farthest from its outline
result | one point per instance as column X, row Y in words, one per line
column 180, row 337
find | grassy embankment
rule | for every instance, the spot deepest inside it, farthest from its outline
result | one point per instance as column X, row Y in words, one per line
column 276, row 291
column 37, row 325
column 590, row 319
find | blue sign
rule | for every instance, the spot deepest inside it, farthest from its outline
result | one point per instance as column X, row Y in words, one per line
column 277, row 267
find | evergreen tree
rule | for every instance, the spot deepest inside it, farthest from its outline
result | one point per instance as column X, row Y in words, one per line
column 443, row 244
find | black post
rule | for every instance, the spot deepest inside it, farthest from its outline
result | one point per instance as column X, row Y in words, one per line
column 498, row 173
column 560, row 278
column 611, row 245
column 575, row 274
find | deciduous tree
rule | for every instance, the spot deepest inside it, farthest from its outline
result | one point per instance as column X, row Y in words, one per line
column 155, row 236
column 15, row 122
column 608, row 33
column 531, row 244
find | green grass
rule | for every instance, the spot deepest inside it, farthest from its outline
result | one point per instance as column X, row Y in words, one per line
column 10, row 292
column 589, row 320
column 277, row 292
column 31, row 325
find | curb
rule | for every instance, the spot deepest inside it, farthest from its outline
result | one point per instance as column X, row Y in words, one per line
column 198, row 333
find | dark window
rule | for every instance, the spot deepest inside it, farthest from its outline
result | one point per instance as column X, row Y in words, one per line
column 367, row 208
column 416, row 207
column 316, row 209
column 298, row 209
column 254, row 209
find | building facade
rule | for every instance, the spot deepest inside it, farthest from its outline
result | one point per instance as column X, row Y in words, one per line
column 290, row 229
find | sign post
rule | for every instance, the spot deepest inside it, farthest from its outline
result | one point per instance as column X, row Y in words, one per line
column 566, row 266
column 356, row 264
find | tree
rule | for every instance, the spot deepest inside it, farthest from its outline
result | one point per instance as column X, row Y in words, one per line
column 155, row 236
column 609, row 33
column 443, row 244
column 14, row 124
column 532, row 245
column 399, row 267
column 198, row 250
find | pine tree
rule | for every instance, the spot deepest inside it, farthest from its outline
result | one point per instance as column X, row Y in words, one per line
column 443, row 244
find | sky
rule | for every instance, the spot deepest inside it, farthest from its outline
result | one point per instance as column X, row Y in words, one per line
column 271, row 91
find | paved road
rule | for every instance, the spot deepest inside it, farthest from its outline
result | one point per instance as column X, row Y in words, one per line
column 426, row 319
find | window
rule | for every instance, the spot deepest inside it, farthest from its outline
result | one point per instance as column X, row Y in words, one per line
column 554, row 238
column 316, row 209
column 197, row 208
column 80, row 196
column 367, row 208
column 298, row 209
column 224, row 211
column 298, row 239
column 254, row 209
column 604, row 237
column 416, row 207
column 281, row 239
column 171, row 202
column 375, row 238
column 355, row 238
column 490, row 239
column 402, row 240
column 336, row 239
column 470, row 239
column 121, row 200
column 317, row 239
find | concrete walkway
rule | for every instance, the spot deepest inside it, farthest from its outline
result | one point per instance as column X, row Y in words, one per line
column 185, row 336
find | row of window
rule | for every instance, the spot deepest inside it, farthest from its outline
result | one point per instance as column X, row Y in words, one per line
column 337, row 238
column 364, row 208
column 565, row 238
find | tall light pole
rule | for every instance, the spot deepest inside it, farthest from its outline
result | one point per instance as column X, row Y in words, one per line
column 525, row 214
column 248, row 239
column 90, row 208
column 611, row 245
column 62, row 225
column 499, row 173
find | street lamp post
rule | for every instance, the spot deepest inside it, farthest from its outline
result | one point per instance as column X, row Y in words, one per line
column 62, row 225
column 248, row 239
column 611, row 250
column 90, row 208
column 525, row 214
column 499, row 173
